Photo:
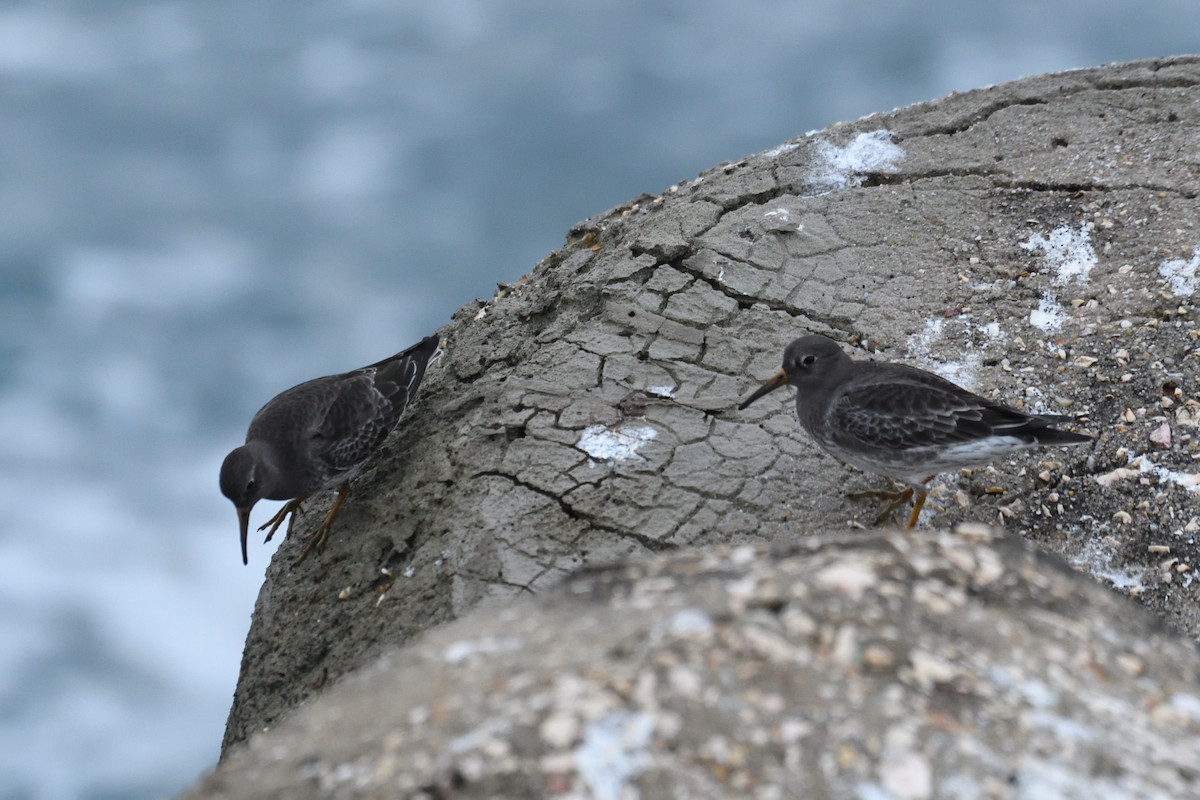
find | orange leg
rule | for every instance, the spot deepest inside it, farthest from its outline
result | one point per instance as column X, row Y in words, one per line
column 902, row 497
column 893, row 497
column 918, row 504
column 290, row 507
column 896, row 497
column 317, row 538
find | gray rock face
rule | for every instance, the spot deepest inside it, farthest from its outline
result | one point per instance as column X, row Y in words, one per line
column 898, row 665
column 1036, row 241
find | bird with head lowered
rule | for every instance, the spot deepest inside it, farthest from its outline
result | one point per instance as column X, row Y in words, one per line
column 316, row 436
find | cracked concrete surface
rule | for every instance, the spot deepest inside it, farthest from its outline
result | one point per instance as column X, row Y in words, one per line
column 583, row 415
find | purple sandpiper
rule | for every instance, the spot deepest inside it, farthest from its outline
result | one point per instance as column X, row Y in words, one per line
column 902, row 422
column 316, row 436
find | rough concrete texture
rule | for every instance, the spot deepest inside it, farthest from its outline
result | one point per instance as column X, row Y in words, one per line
column 870, row 665
column 1036, row 241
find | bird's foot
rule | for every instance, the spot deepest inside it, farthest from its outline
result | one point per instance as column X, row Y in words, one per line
column 897, row 500
column 292, row 507
column 316, row 540
column 887, row 494
column 893, row 498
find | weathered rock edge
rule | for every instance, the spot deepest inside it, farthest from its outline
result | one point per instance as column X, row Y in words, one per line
column 932, row 233
column 881, row 664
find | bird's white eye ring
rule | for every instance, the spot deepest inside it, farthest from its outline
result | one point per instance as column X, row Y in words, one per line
column 808, row 360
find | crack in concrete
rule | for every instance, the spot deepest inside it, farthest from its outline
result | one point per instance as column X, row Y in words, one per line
column 744, row 301
column 573, row 513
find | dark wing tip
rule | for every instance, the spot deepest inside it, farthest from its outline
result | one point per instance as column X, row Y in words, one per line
column 398, row 378
column 1053, row 436
column 419, row 355
column 427, row 346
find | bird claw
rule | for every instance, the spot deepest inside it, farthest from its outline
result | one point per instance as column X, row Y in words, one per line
column 316, row 540
column 883, row 495
column 894, row 498
column 291, row 507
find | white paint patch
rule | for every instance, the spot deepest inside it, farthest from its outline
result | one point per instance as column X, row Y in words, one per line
column 1096, row 560
column 838, row 168
column 1049, row 315
column 462, row 650
column 1188, row 480
column 920, row 349
column 618, row 444
column 781, row 149
column 1180, row 274
column 1069, row 254
column 993, row 331
column 779, row 220
column 1139, row 465
column 662, row 391
column 613, row 752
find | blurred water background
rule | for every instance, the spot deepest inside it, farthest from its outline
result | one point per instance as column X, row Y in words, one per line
column 204, row 203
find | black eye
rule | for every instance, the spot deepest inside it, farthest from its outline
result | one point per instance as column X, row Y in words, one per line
column 249, row 487
column 808, row 360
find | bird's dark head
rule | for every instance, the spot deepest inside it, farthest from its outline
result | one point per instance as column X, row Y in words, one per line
column 806, row 361
column 811, row 358
column 242, row 477
column 247, row 476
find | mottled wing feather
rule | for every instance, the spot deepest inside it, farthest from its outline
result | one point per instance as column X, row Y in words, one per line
column 902, row 416
column 368, row 404
column 353, row 423
column 398, row 380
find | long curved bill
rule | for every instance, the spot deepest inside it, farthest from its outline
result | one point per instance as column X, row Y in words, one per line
column 244, row 524
column 773, row 383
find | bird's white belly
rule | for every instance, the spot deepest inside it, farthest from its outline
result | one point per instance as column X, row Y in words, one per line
column 917, row 464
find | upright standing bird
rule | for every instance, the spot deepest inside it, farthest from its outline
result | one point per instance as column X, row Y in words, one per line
column 316, row 436
column 901, row 422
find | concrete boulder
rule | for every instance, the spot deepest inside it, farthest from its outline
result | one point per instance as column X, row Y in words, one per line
column 880, row 665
